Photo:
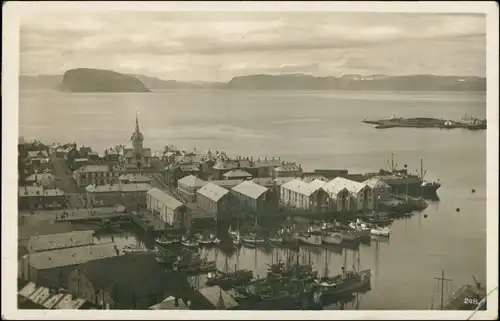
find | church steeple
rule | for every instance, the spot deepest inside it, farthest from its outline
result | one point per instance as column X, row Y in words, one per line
column 137, row 123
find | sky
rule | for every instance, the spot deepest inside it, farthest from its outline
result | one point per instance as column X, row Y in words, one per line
column 217, row 46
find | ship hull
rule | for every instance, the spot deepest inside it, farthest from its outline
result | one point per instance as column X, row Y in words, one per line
column 415, row 189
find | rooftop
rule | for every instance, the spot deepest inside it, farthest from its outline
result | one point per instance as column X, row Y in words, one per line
column 135, row 178
column 170, row 304
column 39, row 177
column 31, row 191
column 237, row 173
column 212, row 191
column 191, row 181
column 43, row 228
column 61, row 240
column 53, row 192
column 93, row 168
column 376, row 183
column 70, row 256
column 164, row 198
column 264, row 181
column 218, row 298
column 339, row 183
column 50, row 299
column 250, row 189
column 301, row 187
column 106, row 188
column 287, row 168
column 227, row 183
column 282, row 180
column 38, row 154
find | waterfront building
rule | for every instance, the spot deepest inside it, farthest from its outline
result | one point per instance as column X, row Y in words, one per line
column 136, row 157
column 213, row 200
column 381, row 191
column 96, row 175
column 52, row 268
column 132, row 281
column 359, row 197
column 237, row 174
column 32, row 296
column 253, row 198
column 38, row 197
column 41, row 179
column 169, row 209
column 187, row 187
column 287, row 170
column 49, row 242
column 297, row 195
column 134, row 179
column 132, row 195
column 278, row 182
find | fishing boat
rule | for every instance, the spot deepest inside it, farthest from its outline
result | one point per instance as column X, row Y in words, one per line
column 332, row 238
column 193, row 263
column 328, row 226
column 310, row 238
column 164, row 241
column 208, row 240
column 380, row 231
column 350, row 235
column 233, row 233
column 252, row 240
column 227, row 280
column 185, row 241
column 275, row 239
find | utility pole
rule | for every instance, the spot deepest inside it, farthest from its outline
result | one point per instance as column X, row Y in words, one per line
column 442, row 280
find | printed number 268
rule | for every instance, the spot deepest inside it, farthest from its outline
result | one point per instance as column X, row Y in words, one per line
column 470, row 301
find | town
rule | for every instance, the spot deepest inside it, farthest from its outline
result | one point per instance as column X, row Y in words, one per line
column 72, row 201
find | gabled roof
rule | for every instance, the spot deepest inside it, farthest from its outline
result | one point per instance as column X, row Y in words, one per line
column 164, row 198
column 301, row 187
column 339, row 183
column 60, row 240
column 250, row 189
column 40, row 177
column 218, row 298
column 191, row 181
column 70, row 256
column 237, row 173
column 376, row 183
column 282, row 180
column 213, row 192
column 93, row 168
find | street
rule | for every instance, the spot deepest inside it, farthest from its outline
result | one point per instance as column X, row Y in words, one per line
column 65, row 181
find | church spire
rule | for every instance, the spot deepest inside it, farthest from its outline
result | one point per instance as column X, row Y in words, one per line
column 137, row 122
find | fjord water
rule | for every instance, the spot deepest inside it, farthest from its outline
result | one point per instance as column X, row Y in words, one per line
column 317, row 130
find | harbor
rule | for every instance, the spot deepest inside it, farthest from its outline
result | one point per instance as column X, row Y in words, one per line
column 418, row 227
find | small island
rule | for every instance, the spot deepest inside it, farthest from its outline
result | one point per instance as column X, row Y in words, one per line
column 98, row 80
column 466, row 122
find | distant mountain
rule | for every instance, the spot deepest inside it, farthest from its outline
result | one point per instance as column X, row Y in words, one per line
column 359, row 82
column 99, row 80
column 158, row 84
column 294, row 82
column 39, row 82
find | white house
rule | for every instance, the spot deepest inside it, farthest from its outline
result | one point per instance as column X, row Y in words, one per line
column 300, row 195
column 347, row 195
column 169, row 209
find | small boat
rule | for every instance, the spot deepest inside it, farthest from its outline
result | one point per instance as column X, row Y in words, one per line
column 380, row 221
column 167, row 241
column 382, row 231
column 310, row 238
column 253, row 240
column 132, row 249
column 189, row 243
column 332, row 238
column 328, row 226
column 233, row 233
column 275, row 240
column 349, row 236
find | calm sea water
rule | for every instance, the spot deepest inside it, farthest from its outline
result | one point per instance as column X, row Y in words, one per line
column 317, row 130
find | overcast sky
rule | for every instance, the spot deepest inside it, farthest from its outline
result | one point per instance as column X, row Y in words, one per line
column 218, row 46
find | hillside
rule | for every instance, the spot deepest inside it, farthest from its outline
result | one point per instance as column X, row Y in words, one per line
column 98, row 80
column 358, row 82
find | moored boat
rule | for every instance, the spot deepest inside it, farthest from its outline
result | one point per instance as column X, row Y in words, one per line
column 310, row 238
column 332, row 238
column 252, row 240
column 189, row 242
column 380, row 231
column 167, row 241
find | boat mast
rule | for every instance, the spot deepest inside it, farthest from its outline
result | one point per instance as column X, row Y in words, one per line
column 441, row 281
column 326, row 263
